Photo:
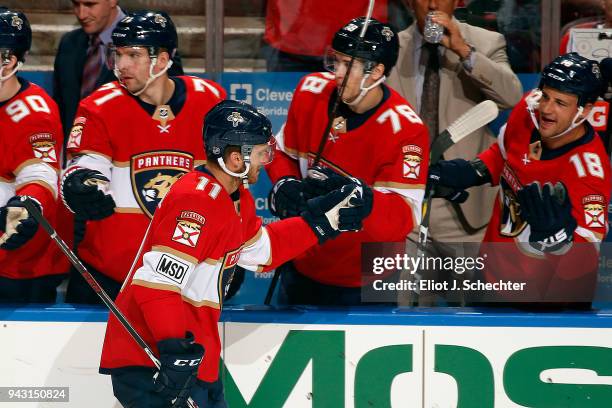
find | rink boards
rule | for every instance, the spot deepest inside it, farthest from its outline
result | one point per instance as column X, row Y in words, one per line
column 345, row 358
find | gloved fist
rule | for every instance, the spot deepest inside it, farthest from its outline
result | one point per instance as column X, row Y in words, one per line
column 548, row 212
column 450, row 178
column 340, row 210
column 321, row 180
column 83, row 192
column 287, row 198
column 18, row 225
column 180, row 360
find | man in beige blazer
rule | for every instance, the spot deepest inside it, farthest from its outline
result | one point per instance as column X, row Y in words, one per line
column 473, row 67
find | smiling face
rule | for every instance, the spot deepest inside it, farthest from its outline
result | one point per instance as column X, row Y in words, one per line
column 94, row 15
column 557, row 111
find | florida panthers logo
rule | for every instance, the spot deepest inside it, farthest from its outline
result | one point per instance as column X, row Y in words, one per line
column 161, row 20
column 153, row 173
column 17, row 22
column 236, row 119
column 387, row 33
column 157, row 188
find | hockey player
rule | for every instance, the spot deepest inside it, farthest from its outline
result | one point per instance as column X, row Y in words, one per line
column 30, row 144
column 131, row 140
column 205, row 226
column 554, row 179
column 376, row 137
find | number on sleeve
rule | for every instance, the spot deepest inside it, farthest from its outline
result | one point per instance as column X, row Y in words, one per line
column 19, row 109
column 593, row 165
column 215, row 188
column 392, row 114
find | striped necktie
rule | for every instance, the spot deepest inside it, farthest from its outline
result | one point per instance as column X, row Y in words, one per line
column 91, row 69
column 431, row 89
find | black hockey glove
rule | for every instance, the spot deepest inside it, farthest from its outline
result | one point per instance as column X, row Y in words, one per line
column 82, row 194
column 340, row 210
column 18, row 225
column 180, row 360
column 450, row 178
column 321, row 180
column 548, row 212
column 287, row 198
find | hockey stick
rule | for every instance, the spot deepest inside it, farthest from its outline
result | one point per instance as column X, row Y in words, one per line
column 33, row 210
column 469, row 122
column 334, row 111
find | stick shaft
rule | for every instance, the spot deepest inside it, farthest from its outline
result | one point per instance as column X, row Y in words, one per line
column 91, row 281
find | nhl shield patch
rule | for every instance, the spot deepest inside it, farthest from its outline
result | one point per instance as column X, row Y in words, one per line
column 413, row 156
column 188, row 228
column 594, row 210
column 43, row 146
column 153, row 173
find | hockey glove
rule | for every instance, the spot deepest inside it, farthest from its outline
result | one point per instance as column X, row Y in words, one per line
column 450, row 178
column 18, row 225
column 83, row 193
column 287, row 198
column 322, row 180
column 548, row 212
column 337, row 211
column 180, row 360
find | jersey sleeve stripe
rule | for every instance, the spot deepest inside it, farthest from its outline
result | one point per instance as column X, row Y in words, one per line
column 182, row 255
column 31, row 162
column 413, row 197
column 258, row 253
column 255, row 238
column 49, row 187
column 395, row 185
column 94, row 161
column 152, row 285
column 39, row 173
column 128, row 210
column 589, row 235
column 90, row 152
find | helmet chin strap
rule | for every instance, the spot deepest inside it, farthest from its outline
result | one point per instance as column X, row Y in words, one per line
column 364, row 89
column 10, row 74
column 152, row 77
column 533, row 103
column 243, row 175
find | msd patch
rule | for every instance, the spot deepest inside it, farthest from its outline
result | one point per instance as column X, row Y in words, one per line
column 153, row 173
column 43, row 146
column 413, row 156
column 188, row 228
column 594, row 210
column 172, row 268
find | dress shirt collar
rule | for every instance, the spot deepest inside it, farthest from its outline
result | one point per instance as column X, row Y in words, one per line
column 105, row 36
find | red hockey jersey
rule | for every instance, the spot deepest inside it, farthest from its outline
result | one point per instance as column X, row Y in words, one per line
column 387, row 147
column 307, row 27
column 185, row 265
column 583, row 167
column 142, row 154
column 30, row 147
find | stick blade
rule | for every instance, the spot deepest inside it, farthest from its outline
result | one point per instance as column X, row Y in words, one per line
column 472, row 120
